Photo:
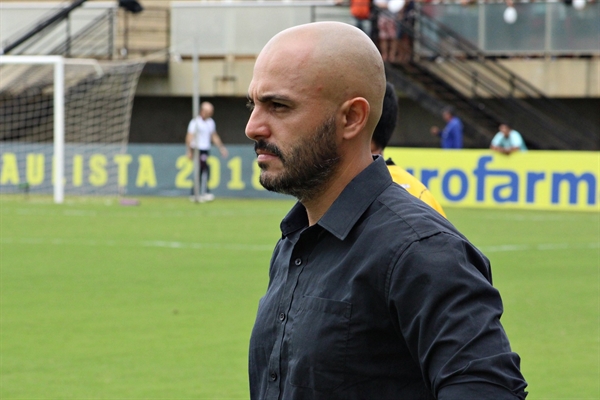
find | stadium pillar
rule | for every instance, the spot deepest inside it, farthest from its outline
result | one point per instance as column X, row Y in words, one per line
column 195, row 111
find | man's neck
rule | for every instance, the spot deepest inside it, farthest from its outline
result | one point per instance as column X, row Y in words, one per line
column 318, row 205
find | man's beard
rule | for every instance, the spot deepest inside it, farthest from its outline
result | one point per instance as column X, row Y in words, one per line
column 307, row 166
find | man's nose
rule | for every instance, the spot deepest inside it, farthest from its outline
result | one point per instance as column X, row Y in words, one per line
column 256, row 128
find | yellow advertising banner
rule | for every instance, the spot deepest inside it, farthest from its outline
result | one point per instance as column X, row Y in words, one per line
column 542, row 180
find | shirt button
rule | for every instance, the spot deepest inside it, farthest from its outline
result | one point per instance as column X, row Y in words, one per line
column 281, row 316
column 273, row 377
column 298, row 261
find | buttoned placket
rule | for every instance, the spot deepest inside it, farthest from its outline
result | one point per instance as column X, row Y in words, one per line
column 295, row 266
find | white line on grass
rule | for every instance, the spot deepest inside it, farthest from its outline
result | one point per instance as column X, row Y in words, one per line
column 539, row 247
column 549, row 217
column 129, row 213
column 152, row 243
column 250, row 247
column 201, row 246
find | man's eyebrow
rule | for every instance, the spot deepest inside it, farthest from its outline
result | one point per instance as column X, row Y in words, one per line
column 273, row 97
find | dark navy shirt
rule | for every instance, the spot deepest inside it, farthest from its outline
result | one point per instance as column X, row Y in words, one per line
column 381, row 299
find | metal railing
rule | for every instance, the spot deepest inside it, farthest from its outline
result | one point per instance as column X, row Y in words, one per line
column 95, row 40
column 542, row 28
column 98, row 31
column 42, row 26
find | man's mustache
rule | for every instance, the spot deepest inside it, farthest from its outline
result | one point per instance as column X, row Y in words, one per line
column 271, row 148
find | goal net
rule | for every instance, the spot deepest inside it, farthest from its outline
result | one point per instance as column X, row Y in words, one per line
column 64, row 125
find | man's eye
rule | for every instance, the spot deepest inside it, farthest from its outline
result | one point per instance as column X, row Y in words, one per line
column 250, row 105
column 278, row 105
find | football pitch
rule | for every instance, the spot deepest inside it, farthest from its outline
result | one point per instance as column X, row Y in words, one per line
column 157, row 301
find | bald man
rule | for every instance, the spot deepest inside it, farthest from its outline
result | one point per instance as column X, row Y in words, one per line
column 372, row 294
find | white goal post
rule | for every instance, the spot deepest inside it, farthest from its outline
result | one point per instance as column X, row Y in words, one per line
column 58, row 64
column 56, row 112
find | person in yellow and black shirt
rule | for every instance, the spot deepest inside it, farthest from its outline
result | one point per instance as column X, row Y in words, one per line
column 381, row 136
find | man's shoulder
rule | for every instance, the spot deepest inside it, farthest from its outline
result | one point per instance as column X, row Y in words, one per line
column 210, row 124
column 193, row 125
column 408, row 216
column 454, row 126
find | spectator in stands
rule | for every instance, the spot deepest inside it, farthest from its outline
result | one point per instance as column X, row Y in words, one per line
column 507, row 141
column 365, row 16
column 388, row 33
column 381, row 136
column 360, row 10
column 452, row 134
column 406, row 23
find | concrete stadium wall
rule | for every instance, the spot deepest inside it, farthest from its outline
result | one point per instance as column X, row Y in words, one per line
column 231, row 76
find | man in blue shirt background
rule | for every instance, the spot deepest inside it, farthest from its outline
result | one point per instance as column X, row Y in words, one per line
column 452, row 134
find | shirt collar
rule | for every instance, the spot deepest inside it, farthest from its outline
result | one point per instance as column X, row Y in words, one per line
column 354, row 200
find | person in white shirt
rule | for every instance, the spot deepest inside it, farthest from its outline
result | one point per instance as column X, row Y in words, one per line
column 507, row 141
column 201, row 132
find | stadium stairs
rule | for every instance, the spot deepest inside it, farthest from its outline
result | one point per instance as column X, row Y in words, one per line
column 447, row 70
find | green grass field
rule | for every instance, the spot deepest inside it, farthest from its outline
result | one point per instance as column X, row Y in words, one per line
column 101, row 301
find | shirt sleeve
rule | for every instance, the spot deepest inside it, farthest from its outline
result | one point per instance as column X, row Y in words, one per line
column 192, row 126
column 516, row 140
column 497, row 139
column 449, row 314
column 447, row 130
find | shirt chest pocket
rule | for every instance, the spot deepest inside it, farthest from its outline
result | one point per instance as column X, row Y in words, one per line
column 318, row 343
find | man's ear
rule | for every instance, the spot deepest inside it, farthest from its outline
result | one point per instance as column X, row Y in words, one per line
column 356, row 114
